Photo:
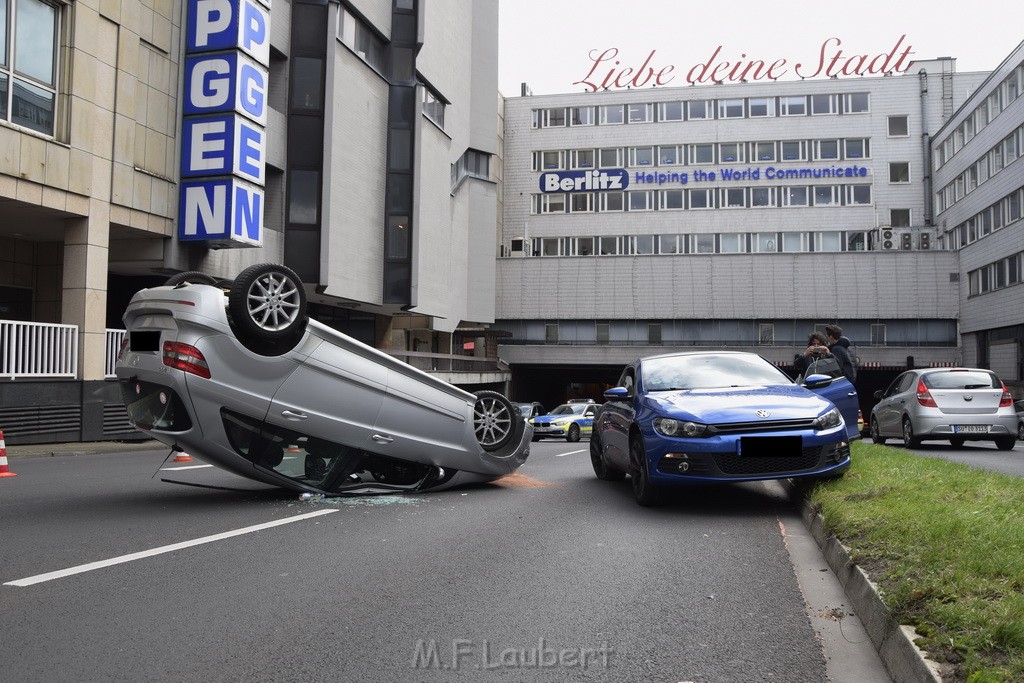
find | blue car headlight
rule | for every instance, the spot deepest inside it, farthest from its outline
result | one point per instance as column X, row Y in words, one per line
column 667, row 426
column 829, row 420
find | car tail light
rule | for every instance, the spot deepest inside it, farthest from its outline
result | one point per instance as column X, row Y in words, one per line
column 1006, row 401
column 924, row 397
column 186, row 357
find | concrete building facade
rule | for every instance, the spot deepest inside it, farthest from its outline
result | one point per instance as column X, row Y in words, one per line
column 351, row 141
column 753, row 214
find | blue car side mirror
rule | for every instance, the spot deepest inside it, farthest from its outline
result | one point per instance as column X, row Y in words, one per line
column 617, row 394
column 815, row 381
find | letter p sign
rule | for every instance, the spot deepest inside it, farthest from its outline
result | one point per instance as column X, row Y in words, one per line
column 229, row 25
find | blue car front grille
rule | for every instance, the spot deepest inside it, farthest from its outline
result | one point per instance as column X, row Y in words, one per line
column 763, row 426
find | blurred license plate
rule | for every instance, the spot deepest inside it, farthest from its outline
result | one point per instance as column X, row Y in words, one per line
column 970, row 429
column 769, row 446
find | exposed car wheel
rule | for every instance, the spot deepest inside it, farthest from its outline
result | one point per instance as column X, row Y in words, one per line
column 876, row 433
column 601, row 468
column 957, row 441
column 1020, row 431
column 574, row 433
column 267, row 303
column 493, row 420
column 909, row 440
column 1005, row 443
column 191, row 277
column 644, row 491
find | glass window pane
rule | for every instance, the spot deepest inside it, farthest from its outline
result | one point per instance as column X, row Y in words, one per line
column 32, row 107
column 305, row 87
column 398, row 237
column 303, row 197
column 34, row 40
column 3, row 34
column 3, row 97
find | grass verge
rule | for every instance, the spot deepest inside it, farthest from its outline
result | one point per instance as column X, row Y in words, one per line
column 944, row 542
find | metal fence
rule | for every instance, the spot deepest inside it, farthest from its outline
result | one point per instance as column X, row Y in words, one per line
column 38, row 349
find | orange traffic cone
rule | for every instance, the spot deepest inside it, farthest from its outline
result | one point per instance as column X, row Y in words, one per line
column 4, row 472
column 182, row 457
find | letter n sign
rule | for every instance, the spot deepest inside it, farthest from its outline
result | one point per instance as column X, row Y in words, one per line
column 224, row 112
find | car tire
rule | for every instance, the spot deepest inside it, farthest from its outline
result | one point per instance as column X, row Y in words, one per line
column 957, row 441
column 876, row 433
column 267, row 304
column 646, row 493
column 602, row 469
column 573, row 435
column 1020, row 431
column 493, row 420
column 909, row 440
column 1006, row 443
column 191, row 277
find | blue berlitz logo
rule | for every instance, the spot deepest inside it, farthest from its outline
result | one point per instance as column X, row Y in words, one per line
column 584, row 181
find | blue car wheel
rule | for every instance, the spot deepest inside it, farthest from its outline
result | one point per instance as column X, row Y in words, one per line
column 602, row 469
column 646, row 493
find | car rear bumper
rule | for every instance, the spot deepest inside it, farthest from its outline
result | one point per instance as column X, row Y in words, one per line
column 951, row 427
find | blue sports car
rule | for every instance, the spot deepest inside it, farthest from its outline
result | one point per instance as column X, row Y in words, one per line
column 720, row 417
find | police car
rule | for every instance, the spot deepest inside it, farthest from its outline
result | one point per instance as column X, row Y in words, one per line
column 569, row 421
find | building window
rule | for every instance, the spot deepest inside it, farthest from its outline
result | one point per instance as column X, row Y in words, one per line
column 878, row 335
column 731, row 243
column 472, row 163
column 672, row 199
column 857, row 148
column 553, row 118
column 582, row 158
column 602, row 332
column 609, row 246
column 795, row 196
column 828, row 241
column 361, row 39
column 698, row 109
column 899, row 218
column 823, row 104
column 433, row 107
column 702, row 199
column 731, row 151
column 762, row 196
column 858, row 194
column 611, row 201
column 641, row 156
column 734, row 197
column 552, row 203
column 581, row 202
column 730, row 109
column 763, row 151
column 765, row 242
column 668, row 244
column 899, row 172
column 766, row 333
column 668, row 156
column 793, row 106
column 761, row 106
column 702, row 154
column 28, row 63
column 670, row 111
column 610, row 157
column 826, row 195
column 640, row 113
column 702, row 244
column 581, row 116
column 826, row 149
column 551, row 333
column 794, row 242
column 654, row 333
column 642, row 200
column 857, row 103
column 610, row 114
column 794, row 150
column 642, row 245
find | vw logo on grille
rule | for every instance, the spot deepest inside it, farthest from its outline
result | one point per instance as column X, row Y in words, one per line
column 762, row 413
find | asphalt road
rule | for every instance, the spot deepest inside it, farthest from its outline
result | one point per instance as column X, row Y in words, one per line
column 548, row 575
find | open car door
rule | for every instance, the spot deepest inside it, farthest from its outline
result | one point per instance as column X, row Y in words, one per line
column 824, row 378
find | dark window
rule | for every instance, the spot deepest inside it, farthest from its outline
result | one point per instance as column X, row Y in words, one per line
column 307, row 76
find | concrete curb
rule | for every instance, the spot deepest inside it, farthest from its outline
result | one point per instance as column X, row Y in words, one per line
column 905, row 662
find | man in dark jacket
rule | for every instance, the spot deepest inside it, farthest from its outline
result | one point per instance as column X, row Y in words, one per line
column 840, row 348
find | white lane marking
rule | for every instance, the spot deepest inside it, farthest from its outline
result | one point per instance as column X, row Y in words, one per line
column 184, row 467
column 40, row 578
column 560, row 455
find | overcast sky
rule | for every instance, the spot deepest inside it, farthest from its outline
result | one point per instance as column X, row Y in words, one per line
column 547, row 43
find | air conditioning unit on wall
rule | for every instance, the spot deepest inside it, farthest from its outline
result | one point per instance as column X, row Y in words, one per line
column 891, row 239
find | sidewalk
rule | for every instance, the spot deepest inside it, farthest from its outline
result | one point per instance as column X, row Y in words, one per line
column 49, row 450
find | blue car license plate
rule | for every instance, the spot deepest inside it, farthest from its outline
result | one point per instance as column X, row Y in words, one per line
column 769, row 446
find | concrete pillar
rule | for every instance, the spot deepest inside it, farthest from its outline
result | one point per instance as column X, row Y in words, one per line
column 84, row 300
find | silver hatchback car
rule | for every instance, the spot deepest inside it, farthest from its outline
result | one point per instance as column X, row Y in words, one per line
column 236, row 373
column 949, row 404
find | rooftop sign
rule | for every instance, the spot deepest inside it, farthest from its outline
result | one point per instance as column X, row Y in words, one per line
column 608, row 71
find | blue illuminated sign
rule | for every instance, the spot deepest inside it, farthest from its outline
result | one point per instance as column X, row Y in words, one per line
column 224, row 109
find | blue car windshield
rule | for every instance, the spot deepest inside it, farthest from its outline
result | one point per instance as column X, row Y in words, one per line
column 709, row 371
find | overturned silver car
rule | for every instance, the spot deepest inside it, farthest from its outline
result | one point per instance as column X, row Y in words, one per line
column 236, row 373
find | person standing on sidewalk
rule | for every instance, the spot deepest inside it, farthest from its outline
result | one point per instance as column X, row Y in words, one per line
column 840, row 348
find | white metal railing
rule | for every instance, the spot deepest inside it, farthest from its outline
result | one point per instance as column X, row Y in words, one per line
column 113, row 345
column 38, row 349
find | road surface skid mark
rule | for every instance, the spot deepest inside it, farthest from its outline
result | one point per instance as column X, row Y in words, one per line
column 518, row 480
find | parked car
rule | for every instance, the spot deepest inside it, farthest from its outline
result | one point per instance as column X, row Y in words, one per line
column 1020, row 420
column 949, row 404
column 529, row 410
column 728, row 416
column 570, row 421
column 237, row 374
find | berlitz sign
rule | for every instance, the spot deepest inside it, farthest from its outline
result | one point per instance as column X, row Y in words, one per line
column 584, row 181
column 609, row 71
